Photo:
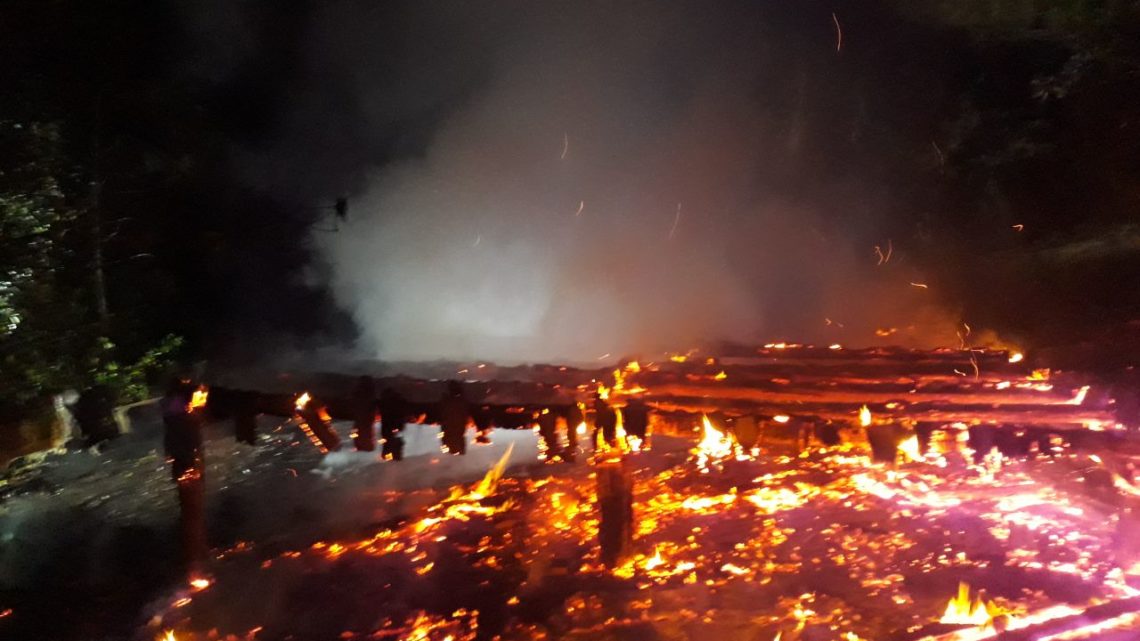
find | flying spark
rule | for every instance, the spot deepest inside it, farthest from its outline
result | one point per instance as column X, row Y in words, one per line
column 1018, row 227
column 838, row 33
column 884, row 258
column 922, row 285
column 581, row 206
column 565, row 146
column 938, row 150
column 676, row 219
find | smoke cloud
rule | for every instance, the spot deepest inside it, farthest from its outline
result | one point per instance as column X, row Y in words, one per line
column 547, row 181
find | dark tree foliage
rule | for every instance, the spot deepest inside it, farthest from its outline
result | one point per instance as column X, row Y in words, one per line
column 1045, row 134
column 121, row 226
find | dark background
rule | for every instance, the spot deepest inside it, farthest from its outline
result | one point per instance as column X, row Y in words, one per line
column 221, row 137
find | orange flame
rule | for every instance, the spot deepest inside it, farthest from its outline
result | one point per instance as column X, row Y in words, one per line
column 302, row 401
column 486, row 486
column 715, row 445
column 962, row 611
column 865, row 416
column 1016, row 357
column 656, row 560
column 910, row 449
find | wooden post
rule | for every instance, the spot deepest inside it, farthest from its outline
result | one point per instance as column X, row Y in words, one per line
column 615, row 503
column 192, row 509
column 884, row 439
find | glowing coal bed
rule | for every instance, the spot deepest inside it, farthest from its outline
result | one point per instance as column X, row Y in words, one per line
column 823, row 545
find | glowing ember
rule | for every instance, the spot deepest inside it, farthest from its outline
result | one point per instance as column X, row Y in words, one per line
column 765, row 517
column 1016, row 357
column 199, row 583
column 302, row 401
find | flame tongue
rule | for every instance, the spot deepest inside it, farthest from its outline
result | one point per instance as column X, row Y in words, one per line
column 910, row 449
column 490, row 480
column 962, row 611
column 715, row 445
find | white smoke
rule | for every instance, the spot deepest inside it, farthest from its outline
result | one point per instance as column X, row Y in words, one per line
column 598, row 178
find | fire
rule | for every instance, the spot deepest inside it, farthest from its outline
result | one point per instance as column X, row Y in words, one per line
column 699, row 529
column 168, row 636
column 1016, row 357
column 486, row 486
column 1080, row 396
column 460, row 504
column 198, row 399
column 715, row 445
column 910, row 449
column 581, row 429
column 720, row 376
column 301, row 403
column 460, row 626
column 200, row 583
column 656, row 560
column 961, row 611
